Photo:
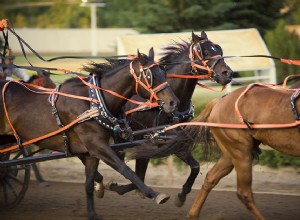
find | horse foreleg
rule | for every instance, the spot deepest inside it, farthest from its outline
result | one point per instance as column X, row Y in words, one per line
column 243, row 167
column 222, row 168
column 99, row 186
column 140, row 170
column 107, row 155
column 186, row 188
column 91, row 165
column 38, row 175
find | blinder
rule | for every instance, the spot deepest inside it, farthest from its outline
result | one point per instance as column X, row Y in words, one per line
column 199, row 52
column 149, row 76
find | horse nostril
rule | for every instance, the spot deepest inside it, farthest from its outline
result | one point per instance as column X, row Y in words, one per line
column 227, row 73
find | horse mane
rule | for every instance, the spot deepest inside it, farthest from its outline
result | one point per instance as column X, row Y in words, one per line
column 172, row 52
column 103, row 69
column 32, row 78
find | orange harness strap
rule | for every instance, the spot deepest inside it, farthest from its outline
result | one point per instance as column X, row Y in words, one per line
column 250, row 86
column 286, row 79
column 188, row 76
column 3, row 24
column 48, row 92
column 78, row 119
column 240, row 126
column 291, row 62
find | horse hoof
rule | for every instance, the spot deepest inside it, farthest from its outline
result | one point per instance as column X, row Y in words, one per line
column 192, row 215
column 109, row 184
column 161, row 198
column 140, row 194
column 178, row 203
column 94, row 217
column 99, row 190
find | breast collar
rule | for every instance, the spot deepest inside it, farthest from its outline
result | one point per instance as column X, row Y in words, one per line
column 105, row 118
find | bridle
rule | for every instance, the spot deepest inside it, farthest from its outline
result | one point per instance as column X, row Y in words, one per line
column 196, row 51
column 147, row 75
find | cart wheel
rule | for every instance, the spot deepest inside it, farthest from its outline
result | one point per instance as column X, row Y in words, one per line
column 14, row 181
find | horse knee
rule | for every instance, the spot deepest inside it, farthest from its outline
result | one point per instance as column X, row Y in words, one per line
column 195, row 170
column 245, row 197
column 210, row 182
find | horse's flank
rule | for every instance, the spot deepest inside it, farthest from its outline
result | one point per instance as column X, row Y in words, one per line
column 260, row 105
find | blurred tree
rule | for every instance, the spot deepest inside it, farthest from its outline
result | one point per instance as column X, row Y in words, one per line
column 292, row 11
column 150, row 16
column 283, row 44
column 179, row 15
column 46, row 14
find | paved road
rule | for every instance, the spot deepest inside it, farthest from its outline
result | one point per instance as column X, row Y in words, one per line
column 66, row 201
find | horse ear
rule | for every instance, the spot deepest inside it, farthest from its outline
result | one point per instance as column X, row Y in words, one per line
column 219, row 48
column 195, row 38
column 139, row 54
column 42, row 73
column 203, row 35
column 141, row 57
column 151, row 54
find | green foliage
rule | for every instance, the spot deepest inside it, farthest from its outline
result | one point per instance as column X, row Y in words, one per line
column 60, row 14
column 156, row 16
column 284, row 44
column 269, row 158
column 151, row 16
column 275, row 159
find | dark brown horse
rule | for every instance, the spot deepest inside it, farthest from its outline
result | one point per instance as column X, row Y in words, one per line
column 42, row 78
column 177, row 59
column 88, row 137
column 260, row 105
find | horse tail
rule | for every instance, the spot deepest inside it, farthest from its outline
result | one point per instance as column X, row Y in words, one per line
column 186, row 139
column 204, row 137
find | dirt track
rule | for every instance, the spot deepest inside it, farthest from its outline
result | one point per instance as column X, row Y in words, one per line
column 65, row 198
column 66, row 201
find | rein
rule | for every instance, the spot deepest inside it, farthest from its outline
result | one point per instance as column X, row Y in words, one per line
column 243, row 123
column 91, row 113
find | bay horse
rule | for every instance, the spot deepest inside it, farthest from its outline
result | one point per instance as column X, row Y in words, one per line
column 259, row 105
column 180, row 54
column 42, row 78
column 122, row 78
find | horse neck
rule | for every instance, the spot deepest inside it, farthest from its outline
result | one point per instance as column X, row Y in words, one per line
column 183, row 88
column 120, row 82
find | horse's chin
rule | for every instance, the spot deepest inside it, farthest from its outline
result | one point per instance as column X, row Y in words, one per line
column 223, row 81
column 168, row 108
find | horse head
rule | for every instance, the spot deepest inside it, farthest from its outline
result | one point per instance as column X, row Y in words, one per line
column 153, row 84
column 207, row 57
column 42, row 79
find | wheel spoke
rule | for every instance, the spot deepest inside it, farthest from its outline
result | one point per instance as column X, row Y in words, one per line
column 17, row 168
column 11, row 188
column 17, row 155
column 15, row 179
column 5, row 197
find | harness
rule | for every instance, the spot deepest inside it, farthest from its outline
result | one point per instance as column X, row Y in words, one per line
column 52, row 100
column 294, row 97
column 244, row 124
column 105, row 118
column 97, row 110
column 188, row 114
